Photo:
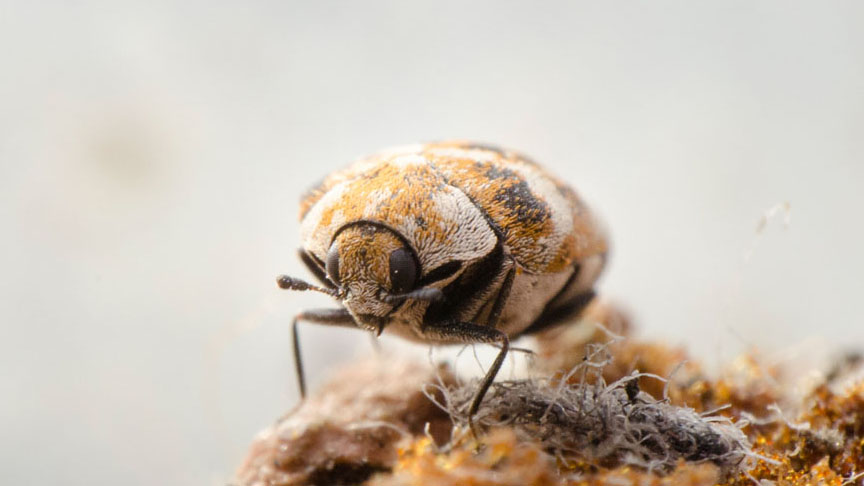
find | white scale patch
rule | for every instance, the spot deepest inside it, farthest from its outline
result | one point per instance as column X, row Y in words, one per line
column 468, row 236
column 376, row 198
column 528, row 297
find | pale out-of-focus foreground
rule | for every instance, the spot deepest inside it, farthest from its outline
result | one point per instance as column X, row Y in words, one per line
column 152, row 155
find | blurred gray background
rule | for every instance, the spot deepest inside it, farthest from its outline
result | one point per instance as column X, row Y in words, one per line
column 152, row 155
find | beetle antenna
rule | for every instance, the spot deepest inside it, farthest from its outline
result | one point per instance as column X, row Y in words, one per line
column 291, row 283
column 427, row 294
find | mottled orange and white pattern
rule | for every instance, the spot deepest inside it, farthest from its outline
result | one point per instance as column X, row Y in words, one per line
column 442, row 197
column 454, row 202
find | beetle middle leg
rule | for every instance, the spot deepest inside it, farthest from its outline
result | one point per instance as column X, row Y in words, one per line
column 469, row 332
column 331, row 317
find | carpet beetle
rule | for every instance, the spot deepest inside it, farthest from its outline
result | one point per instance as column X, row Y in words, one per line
column 448, row 242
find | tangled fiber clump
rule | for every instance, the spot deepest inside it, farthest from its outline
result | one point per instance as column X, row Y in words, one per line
column 608, row 423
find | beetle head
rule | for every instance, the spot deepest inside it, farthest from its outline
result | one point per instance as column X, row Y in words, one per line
column 375, row 271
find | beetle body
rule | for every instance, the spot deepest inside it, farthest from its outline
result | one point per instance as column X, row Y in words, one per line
column 449, row 242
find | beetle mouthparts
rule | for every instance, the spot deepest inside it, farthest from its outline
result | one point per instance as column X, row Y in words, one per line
column 372, row 323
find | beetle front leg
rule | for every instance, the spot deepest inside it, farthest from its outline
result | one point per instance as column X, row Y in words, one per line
column 331, row 317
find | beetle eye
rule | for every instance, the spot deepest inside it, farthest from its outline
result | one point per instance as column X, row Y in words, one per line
column 403, row 271
column 332, row 264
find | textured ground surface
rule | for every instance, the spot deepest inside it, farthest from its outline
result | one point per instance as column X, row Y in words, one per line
column 603, row 409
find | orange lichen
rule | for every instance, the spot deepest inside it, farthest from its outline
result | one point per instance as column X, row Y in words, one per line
column 823, row 445
column 502, row 461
